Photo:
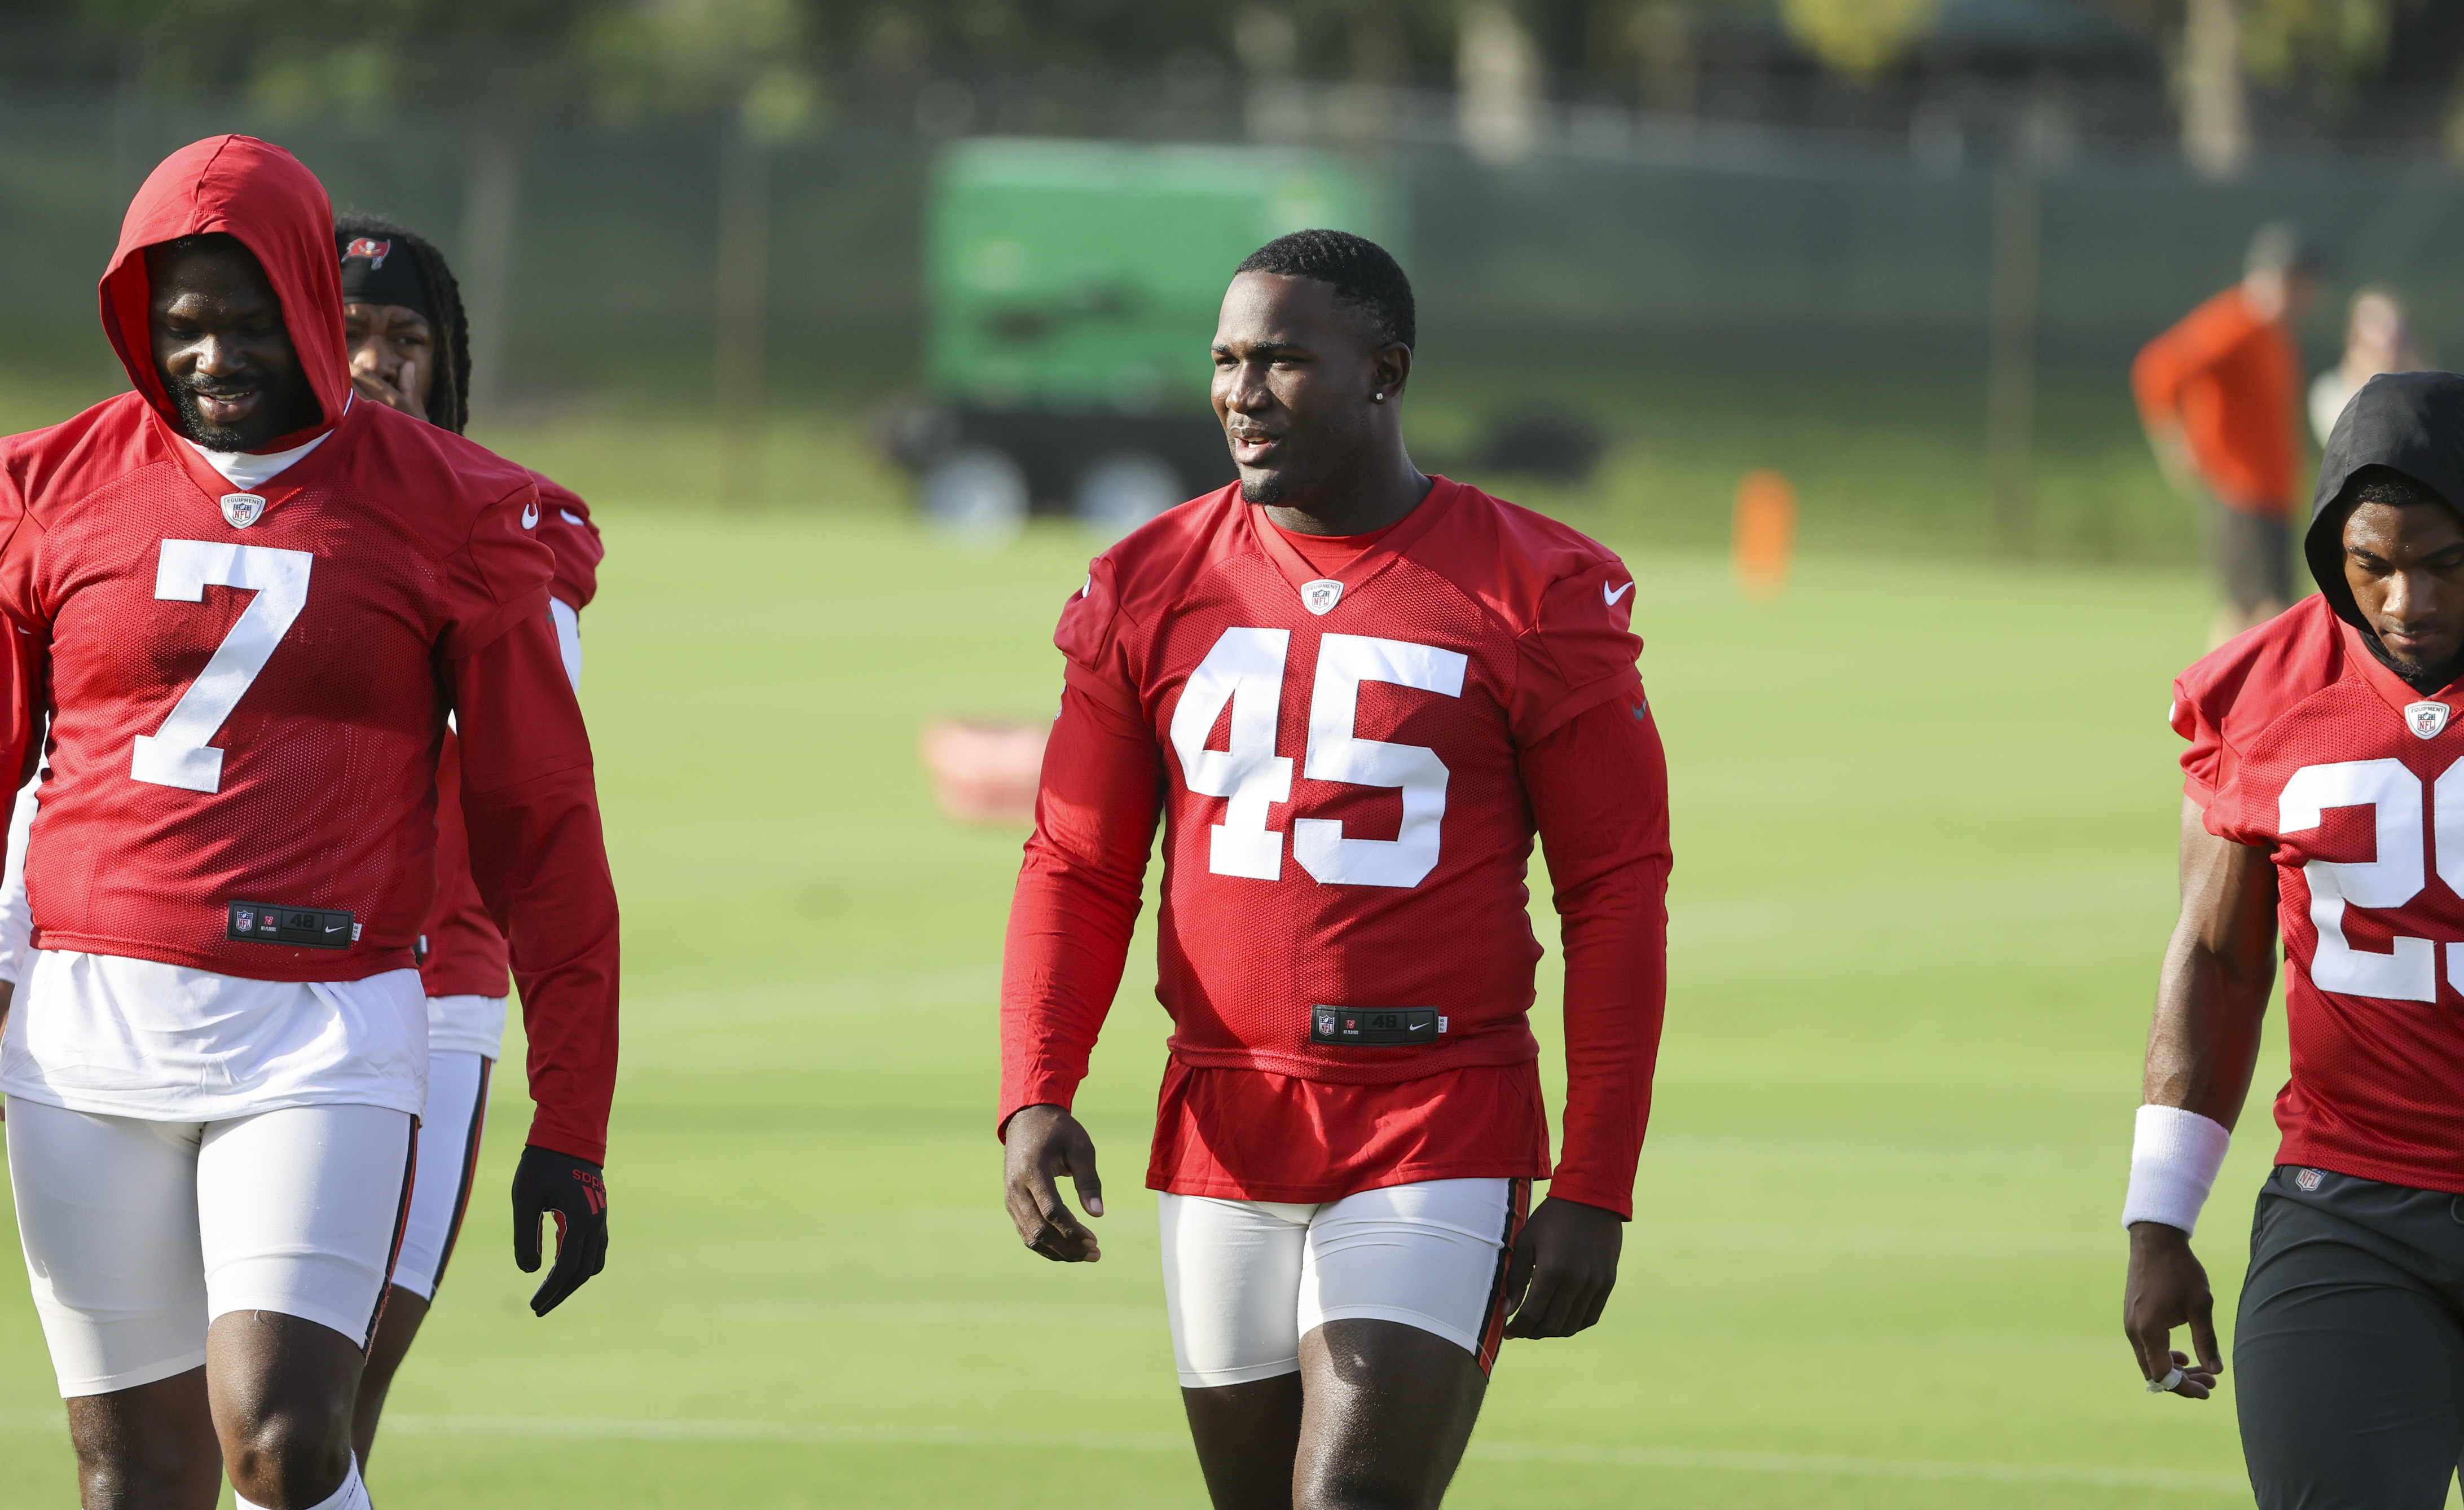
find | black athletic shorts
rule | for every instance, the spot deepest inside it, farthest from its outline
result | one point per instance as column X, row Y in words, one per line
column 2348, row 1358
column 2253, row 555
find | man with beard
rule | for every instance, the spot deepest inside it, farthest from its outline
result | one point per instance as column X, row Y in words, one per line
column 2325, row 802
column 248, row 607
column 1354, row 694
column 409, row 349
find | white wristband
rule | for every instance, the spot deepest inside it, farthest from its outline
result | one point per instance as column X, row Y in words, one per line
column 2174, row 1156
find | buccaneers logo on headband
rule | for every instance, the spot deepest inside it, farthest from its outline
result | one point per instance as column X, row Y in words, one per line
column 368, row 246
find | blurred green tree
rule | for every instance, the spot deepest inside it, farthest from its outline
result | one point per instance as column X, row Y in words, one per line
column 1858, row 37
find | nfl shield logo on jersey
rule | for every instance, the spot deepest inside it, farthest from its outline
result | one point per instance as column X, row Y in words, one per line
column 2425, row 719
column 1322, row 595
column 244, row 508
column 247, row 921
column 2309, row 1179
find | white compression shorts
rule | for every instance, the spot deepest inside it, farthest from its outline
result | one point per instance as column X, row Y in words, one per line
column 1244, row 1282
column 139, row 1234
column 448, row 1157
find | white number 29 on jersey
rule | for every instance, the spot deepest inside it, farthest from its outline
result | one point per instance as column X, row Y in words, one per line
column 177, row 755
column 1246, row 669
column 2409, row 971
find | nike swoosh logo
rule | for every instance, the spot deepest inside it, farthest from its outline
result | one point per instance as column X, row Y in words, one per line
column 1610, row 596
column 336, row 927
column 568, row 516
column 530, row 518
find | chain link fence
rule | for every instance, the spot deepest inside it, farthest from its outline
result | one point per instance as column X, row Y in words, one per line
column 1657, row 280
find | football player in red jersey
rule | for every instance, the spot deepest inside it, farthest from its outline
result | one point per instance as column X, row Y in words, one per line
column 248, row 607
column 410, row 348
column 2325, row 801
column 1353, row 694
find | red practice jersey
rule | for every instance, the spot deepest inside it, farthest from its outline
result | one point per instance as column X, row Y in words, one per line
column 1351, row 745
column 466, row 951
column 248, row 692
column 2303, row 744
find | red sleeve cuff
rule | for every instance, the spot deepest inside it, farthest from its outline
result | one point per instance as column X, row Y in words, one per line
column 1574, row 1185
column 1053, row 1088
column 546, row 1134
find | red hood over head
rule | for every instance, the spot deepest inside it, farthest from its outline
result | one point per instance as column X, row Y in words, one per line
column 267, row 198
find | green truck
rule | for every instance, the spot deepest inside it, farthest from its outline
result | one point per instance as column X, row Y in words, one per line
column 1073, row 289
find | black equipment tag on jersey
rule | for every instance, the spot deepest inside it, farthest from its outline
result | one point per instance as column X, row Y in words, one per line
column 292, row 926
column 1375, row 1026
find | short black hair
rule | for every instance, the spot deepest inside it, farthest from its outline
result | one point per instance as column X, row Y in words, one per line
column 2385, row 484
column 1364, row 278
column 449, row 395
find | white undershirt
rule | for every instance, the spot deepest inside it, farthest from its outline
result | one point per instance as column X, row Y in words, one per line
column 250, row 470
column 16, row 922
column 119, row 1037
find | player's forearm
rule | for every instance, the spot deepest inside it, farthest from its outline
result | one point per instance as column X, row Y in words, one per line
column 1616, row 976
column 1067, row 944
column 541, row 864
column 530, row 808
column 1068, row 941
column 1599, row 790
column 2219, row 970
column 2203, row 1045
column 1078, row 896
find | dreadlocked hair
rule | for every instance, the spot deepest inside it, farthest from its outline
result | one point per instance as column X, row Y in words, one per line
column 449, row 395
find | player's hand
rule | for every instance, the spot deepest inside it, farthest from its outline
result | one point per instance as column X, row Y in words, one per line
column 398, row 394
column 1043, row 1143
column 2169, row 1288
column 1564, row 1266
column 546, row 1184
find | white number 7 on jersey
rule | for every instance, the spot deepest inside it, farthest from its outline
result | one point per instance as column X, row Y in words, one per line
column 177, row 755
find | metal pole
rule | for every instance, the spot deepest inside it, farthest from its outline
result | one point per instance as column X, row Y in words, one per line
column 2011, row 370
column 743, row 304
column 491, row 213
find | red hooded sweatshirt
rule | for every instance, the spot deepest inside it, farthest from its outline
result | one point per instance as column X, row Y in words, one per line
column 247, row 694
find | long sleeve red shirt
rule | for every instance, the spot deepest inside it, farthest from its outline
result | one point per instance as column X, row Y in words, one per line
column 1596, row 786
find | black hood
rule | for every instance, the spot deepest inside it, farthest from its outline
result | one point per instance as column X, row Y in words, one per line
column 2412, row 422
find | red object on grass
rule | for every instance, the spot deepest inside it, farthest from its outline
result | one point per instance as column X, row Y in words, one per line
column 983, row 772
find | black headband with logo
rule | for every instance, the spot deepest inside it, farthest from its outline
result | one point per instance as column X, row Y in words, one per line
column 380, row 270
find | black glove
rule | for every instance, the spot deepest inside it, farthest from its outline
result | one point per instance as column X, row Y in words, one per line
column 547, row 1183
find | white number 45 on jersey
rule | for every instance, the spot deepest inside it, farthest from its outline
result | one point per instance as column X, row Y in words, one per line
column 177, row 755
column 1246, row 669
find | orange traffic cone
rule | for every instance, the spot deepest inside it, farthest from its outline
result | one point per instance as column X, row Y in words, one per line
column 1766, row 532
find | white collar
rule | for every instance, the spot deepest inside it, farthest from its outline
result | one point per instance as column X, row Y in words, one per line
column 250, row 470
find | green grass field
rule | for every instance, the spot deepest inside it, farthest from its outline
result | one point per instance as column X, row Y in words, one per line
column 1924, row 823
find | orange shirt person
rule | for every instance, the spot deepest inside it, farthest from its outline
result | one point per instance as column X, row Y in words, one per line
column 2220, row 394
